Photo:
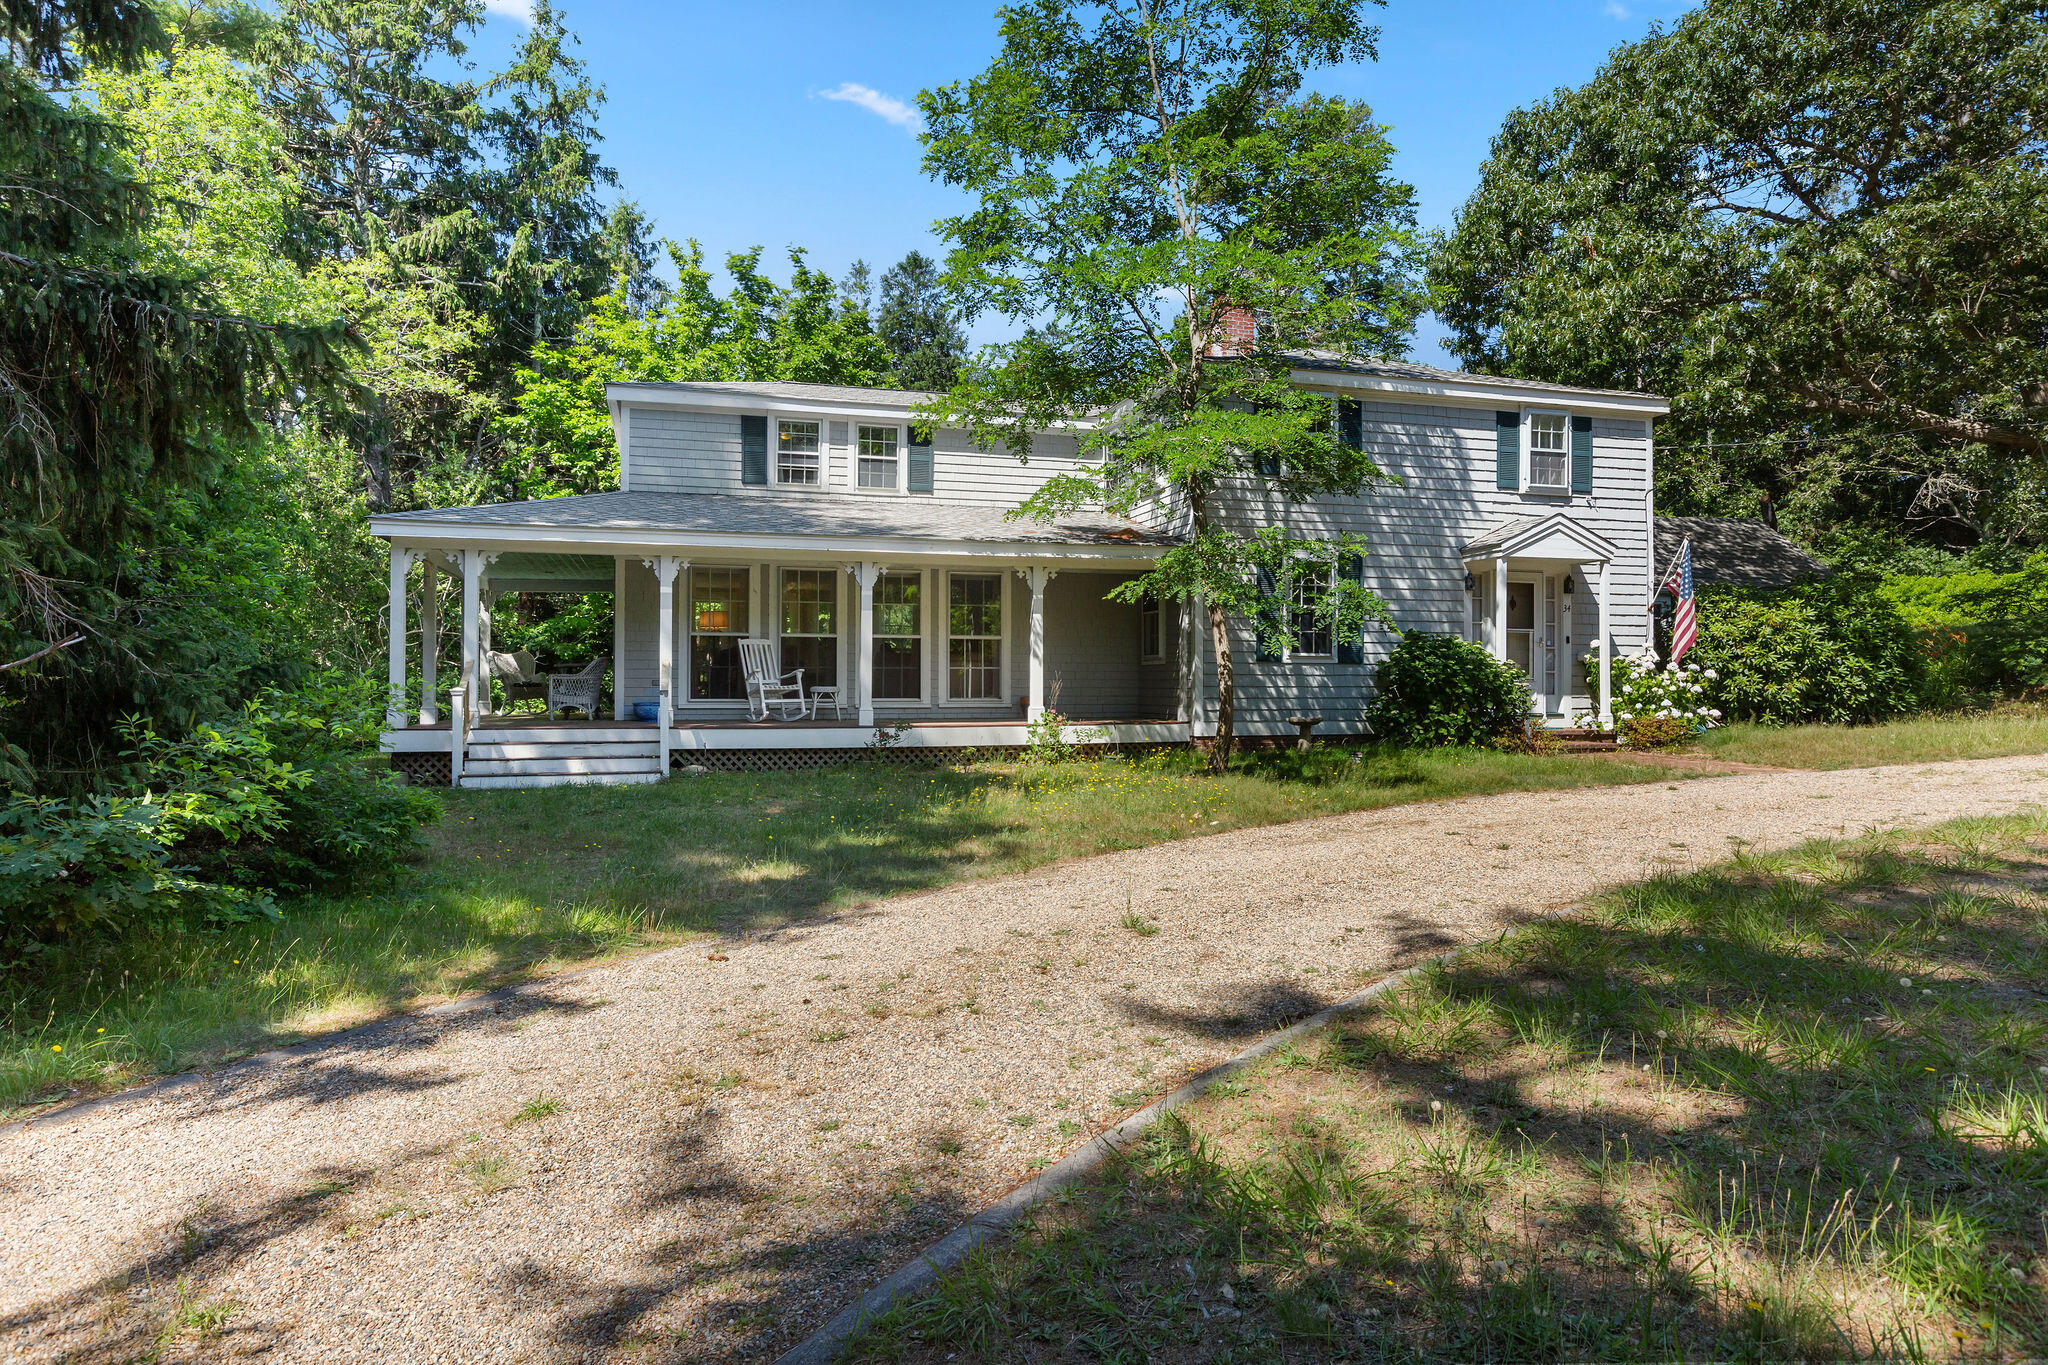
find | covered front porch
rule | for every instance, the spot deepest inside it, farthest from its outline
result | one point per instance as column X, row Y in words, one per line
column 1541, row 598
column 948, row 645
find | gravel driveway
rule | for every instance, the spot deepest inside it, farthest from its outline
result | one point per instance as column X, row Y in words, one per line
column 731, row 1143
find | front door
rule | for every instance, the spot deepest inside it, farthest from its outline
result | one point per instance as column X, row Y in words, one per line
column 1521, row 628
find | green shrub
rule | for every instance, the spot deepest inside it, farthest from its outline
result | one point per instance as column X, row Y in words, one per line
column 1833, row 651
column 1439, row 689
column 1979, row 633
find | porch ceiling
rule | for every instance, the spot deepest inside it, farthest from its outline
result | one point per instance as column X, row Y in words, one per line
column 527, row 571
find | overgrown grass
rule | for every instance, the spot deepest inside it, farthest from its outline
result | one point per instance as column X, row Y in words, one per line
column 2016, row 728
column 1789, row 1109
column 524, row 882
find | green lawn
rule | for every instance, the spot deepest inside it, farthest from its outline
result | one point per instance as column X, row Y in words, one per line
column 1789, row 1109
column 523, row 882
column 2012, row 729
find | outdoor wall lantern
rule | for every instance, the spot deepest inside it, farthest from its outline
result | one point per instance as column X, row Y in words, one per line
column 1569, row 586
column 1470, row 581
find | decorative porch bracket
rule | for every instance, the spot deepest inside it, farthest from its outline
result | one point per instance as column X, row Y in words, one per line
column 666, row 568
column 1035, row 577
column 865, row 575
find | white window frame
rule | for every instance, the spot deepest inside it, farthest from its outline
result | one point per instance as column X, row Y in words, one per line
column 687, row 620
column 823, row 453
column 1002, row 639
column 854, row 425
column 1152, row 640
column 1292, row 655
column 924, row 638
column 839, row 598
column 1529, row 485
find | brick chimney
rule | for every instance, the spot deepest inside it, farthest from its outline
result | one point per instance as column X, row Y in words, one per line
column 1234, row 330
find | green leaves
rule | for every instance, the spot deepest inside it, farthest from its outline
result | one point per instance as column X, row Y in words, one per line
column 1812, row 225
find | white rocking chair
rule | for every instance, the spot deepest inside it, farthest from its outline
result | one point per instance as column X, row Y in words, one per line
column 767, row 687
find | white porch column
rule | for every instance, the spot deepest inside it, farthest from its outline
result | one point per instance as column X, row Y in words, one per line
column 394, row 701
column 1606, row 649
column 665, row 567
column 474, row 562
column 1036, row 577
column 1497, row 637
column 865, row 574
column 430, row 639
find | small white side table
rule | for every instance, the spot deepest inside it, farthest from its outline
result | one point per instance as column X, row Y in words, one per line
column 821, row 695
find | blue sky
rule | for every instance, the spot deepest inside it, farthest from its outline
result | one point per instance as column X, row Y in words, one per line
column 792, row 122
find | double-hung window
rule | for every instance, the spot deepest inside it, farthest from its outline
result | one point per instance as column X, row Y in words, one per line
column 974, row 644
column 876, row 462
column 899, row 638
column 718, row 622
column 810, row 624
column 1151, row 632
column 1550, row 452
column 1308, row 623
column 797, row 459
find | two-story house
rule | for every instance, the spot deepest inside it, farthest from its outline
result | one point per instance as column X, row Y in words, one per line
column 877, row 556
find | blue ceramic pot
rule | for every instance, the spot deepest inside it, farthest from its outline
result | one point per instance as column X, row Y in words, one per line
column 647, row 710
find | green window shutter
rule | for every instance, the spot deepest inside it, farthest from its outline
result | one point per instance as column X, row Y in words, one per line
column 1269, row 621
column 1582, row 454
column 753, row 450
column 1351, row 423
column 1351, row 644
column 1507, row 444
column 920, row 448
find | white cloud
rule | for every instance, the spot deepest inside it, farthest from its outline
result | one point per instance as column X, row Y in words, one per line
column 904, row 116
column 520, row 11
column 1616, row 10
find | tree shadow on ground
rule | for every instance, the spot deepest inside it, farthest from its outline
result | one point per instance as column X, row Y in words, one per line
column 1710, row 1118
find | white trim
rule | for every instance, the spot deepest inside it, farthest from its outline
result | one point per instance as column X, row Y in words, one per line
column 622, row 434
column 1529, row 485
column 740, row 400
column 924, row 638
column 1477, row 392
column 822, row 452
column 853, row 484
column 420, row 532
column 686, row 602
column 1002, row 639
column 951, row 735
column 622, row 705
column 1288, row 654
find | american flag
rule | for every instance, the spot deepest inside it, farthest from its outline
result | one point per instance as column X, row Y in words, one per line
column 1685, row 621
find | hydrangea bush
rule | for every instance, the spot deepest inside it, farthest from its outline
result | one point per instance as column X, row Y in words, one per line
column 1669, row 701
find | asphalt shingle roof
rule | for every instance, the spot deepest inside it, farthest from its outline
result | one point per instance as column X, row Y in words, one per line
column 793, row 514
column 1430, row 374
column 1729, row 552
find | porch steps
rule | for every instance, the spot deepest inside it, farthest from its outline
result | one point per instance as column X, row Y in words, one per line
column 561, row 757
column 1586, row 741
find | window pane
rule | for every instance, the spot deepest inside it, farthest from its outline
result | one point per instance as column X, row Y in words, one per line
column 877, row 457
column 975, row 669
column 818, row 658
column 810, row 602
column 1311, row 630
column 1151, row 636
column 977, row 604
column 1548, row 442
column 796, row 452
column 717, row 619
column 896, row 605
column 899, row 664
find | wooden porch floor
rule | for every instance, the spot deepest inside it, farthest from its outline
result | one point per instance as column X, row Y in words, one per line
column 533, row 720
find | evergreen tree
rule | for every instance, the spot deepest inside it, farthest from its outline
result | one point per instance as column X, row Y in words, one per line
column 125, row 389
column 919, row 323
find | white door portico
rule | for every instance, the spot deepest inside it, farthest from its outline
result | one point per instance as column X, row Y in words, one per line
column 1531, row 577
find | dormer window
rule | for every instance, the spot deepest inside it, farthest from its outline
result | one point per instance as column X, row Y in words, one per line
column 1550, row 469
column 877, row 458
column 796, row 453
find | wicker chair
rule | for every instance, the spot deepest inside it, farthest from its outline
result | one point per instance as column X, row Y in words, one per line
column 578, row 689
column 517, row 674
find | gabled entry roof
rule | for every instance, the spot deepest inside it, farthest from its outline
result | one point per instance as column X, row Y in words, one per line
column 1556, row 536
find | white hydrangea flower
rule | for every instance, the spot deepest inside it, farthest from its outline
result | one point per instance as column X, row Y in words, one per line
column 1712, row 674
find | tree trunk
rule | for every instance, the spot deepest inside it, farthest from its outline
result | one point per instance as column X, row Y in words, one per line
column 1226, row 691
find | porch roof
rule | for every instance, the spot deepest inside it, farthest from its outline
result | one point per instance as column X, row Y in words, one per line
column 1555, row 536
column 740, row 519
